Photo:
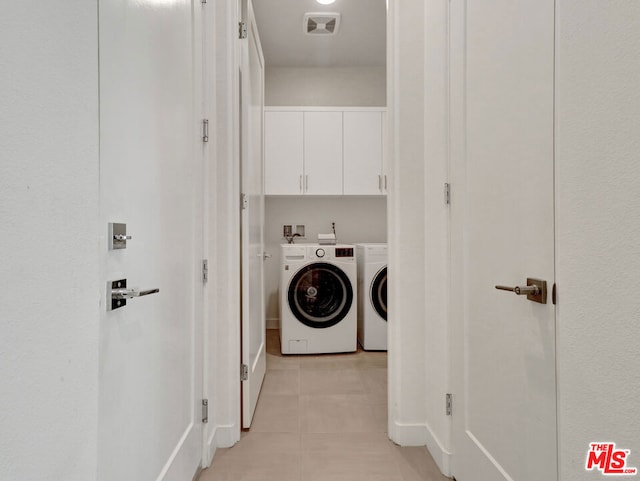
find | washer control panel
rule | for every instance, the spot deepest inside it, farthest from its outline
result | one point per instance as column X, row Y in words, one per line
column 344, row 252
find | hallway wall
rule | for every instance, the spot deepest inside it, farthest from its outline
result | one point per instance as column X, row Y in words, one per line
column 418, row 336
column 48, row 210
column 598, row 226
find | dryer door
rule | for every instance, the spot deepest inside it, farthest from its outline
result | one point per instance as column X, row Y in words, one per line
column 379, row 293
column 320, row 295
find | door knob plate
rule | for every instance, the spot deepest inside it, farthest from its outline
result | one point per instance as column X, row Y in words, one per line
column 541, row 296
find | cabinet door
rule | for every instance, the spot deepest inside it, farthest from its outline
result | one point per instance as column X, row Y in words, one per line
column 283, row 151
column 323, row 153
column 363, row 153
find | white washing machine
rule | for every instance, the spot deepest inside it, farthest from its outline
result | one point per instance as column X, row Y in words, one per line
column 372, row 296
column 318, row 298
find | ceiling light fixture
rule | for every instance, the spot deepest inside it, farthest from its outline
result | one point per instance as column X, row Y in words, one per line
column 325, row 2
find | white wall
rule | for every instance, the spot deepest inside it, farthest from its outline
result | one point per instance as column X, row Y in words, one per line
column 338, row 86
column 407, row 313
column 48, row 211
column 598, row 227
column 358, row 219
column 418, row 226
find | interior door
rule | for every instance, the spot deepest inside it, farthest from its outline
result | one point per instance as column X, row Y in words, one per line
column 502, row 201
column 253, row 255
column 151, row 179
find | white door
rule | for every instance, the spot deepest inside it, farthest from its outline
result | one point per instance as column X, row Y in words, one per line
column 362, row 153
column 323, row 153
column 502, row 105
column 253, row 311
column 151, row 176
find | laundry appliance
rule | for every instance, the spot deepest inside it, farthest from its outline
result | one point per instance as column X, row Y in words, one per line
column 372, row 296
column 318, row 311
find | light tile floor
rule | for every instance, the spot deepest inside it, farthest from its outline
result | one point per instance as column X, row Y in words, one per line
column 321, row 418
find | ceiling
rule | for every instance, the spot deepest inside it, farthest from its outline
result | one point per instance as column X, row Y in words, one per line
column 360, row 41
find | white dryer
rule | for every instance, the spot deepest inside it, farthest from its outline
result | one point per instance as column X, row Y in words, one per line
column 318, row 298
column 372, row 296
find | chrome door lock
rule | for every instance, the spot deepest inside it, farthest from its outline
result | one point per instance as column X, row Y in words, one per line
column 117, row 294
column 118, row 236
column 535, row 290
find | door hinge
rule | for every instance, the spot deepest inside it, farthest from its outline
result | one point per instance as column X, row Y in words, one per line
column 244, row 372
column 205, row 271
column 447, row 193
column 449, row 404
column 244, row 201
column 242, row 30
column 205, row 411
column 205, row 130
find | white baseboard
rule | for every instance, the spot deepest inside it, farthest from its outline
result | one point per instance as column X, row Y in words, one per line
column 422, row 435
column 222, row 436
column 441, row 456
column 273, row 323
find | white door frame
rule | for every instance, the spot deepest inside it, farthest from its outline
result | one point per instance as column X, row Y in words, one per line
column 224, row 295
column 222, row 381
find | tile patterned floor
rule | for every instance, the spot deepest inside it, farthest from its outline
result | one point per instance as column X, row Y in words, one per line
column 321, row 418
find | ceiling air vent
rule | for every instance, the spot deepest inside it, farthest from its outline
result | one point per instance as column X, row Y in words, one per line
column 323, row 23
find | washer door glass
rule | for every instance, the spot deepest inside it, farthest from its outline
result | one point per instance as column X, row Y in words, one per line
column 320, row 295
column 379, row 293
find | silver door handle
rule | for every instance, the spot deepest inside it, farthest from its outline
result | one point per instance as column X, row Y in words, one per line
column 131, row 293
column 264, row 255
column 535, row 290
column 521, row 291
column 118, row 293
column 120, row 237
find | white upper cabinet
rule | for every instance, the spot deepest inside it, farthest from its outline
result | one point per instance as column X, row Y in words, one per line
column 363, row 153
column 284, row 153
column 324, row 151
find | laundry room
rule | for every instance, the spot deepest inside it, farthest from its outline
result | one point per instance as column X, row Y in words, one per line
column 325, row 219
column 303, row 79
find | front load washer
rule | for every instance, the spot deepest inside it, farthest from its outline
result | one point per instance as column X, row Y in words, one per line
column 318, row 298
column 372, row 296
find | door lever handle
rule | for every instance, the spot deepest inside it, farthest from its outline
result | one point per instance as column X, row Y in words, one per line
column 118, row 293
column 131, row 293
column 535, row 290
column 521, row 291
